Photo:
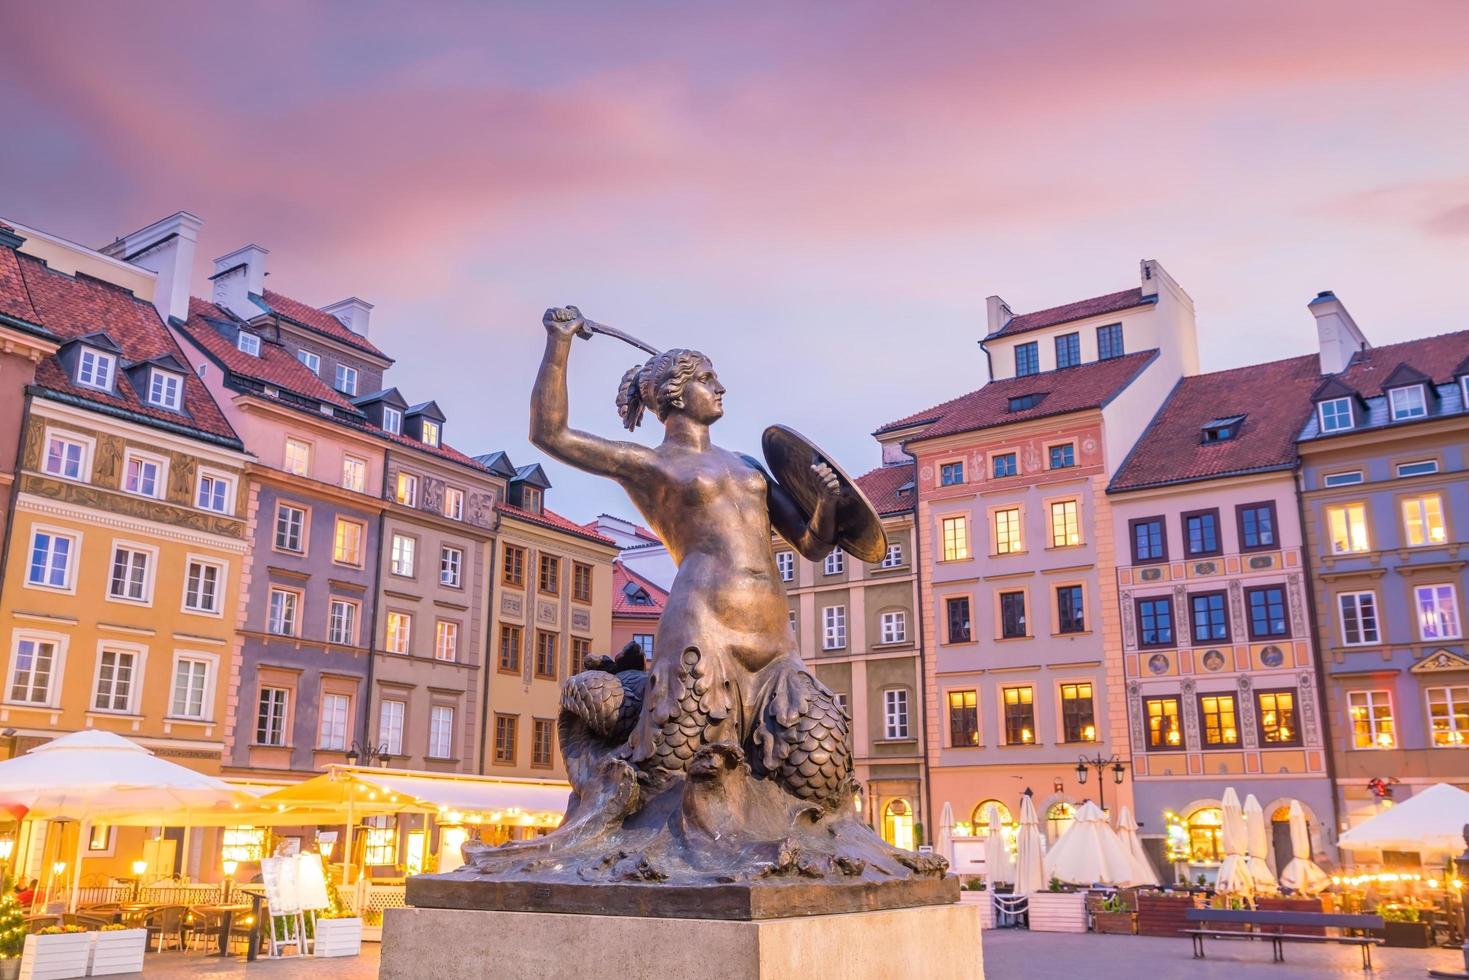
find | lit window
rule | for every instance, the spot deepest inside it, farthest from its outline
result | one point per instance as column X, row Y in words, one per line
column 834, row 632
column 1063, row 457
column 354, row 474
column 399, row 632
column 446, row 641
column 1423, row 522
column 129, row 579
column 165, row 389
column 1335, row 414
column 895, row 713
column 1448, row 716
column 430, row 432
column 951, row 474
column 1068, row 350
column 298, row 457
column 380, row 842
column 312, row 361
column 115, row 675
column 50, row 564
column 283, row 605
column 290, row 524
column 214, row 493
column 143, row 476
column 1164, row 733
column 32, row 669
column 1005, row 464
column 1421, row 467
column 1438, row 612
column 333, row 732
column 1065, row 524
column 248, row 343
column 242, row 844
column 342, row 622
column 404, row 551
column 346, row 383
column 1347, row 525
column 407, row 490
column 270, row 718
column 1027, row 359
column 202, row 580
column 963, row 718
column 1370, row 713
column 894, row 627
column 1206, row 835
column 441, row 732
column 347, row 542
column 453, row 504
column 1220, row 720
column 392, row 420
column 955, row 532
column 894, row 556
column 65, row 458
column 835, row 562
column 451, row 565
column 1019, row 715
column 1407, row 403
column 1078, row 714
column 1278, row 717
column 1007, row 531
column 95, row 369
column 1358, row 617
column 785, row 563
column 190, row 685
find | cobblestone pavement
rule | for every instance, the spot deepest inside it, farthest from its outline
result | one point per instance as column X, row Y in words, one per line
column 1063, row 956
column 178, row 966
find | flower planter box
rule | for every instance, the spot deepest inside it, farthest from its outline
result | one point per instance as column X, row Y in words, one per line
column 55, row 957
column 1408, row 935
column 1164, row 914
column 118, row 951
column 338, row 937
column 10, row 968
column 982, row 901
column 1115, row 923
column 1057, row 912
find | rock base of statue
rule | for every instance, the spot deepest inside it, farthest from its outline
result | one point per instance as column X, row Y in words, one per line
column 940, row 941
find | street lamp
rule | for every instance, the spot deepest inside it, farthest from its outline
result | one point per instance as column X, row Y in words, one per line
column 366, row 756
column 229, row 866
column 139, row 869
column 1101, row 764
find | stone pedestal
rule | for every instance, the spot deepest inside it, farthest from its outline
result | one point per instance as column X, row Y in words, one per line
column 936, row 942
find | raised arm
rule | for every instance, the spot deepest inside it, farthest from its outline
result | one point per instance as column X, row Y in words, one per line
column 813, row 538
column 548, row 411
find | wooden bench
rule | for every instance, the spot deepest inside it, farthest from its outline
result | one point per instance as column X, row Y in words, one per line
column 1247, row 917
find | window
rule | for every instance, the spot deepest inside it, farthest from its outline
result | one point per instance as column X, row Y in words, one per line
column 1358, row 617
column 430, row 430
column 785, row 563
column 1070, row 609
column 791, row 619
column 298, row 457
column 405, row 491
column 1206, row 835
column 392, row 420
column 1342, row 479
column 963, row 718
column 1423, row 522
column 894, row 556
column 1277, row 710
column 202, row 586
column 50, row 559
column 354, row 474
column 1256, row 526
column 549, row 580
column 894, row 626
column 270, row 719
column 190, row 684
column 165, row 389
column 1164, row 733
column 895, row 713
column 35, row 663
column 1335, row 414
column 835, row 563
column 834, row 630
column 1201, row 533
column 545, row 654
column 955, row 532
column 1149, row 542
column 530, row 500
column 1020, row 403
column 1222, row 429
column 951, row 474
column 94, row 369
column 1012, row 615
column 248, row 343
column 1407, row 403
column 214, row 493
column 243, row 844
column 379, row 842
column 404, row 552
column 1218, row 717
column 956, row 611
column 1109, row 342
column 333, row 733
column 290, row 522
column 1063, row 457
column 451, row 565
column 512, row 568
column 510, row 648
column 1007, row 531
column 399, row 632
column 347, row 542
column 581, row 648
column 1004, row 464
column 505, row 738
column 1155, row 622
column 441, row 732
column 1267, row 612
column 115, row 672
column 312, row 361
column 1068, row 350
column 446, row 641
column 1078, row 713
column 1448, row 716
column 1421, row 467
column 129, row 579
column 1019, row 715
column 1438, row 612
column 65, row 458
column 1370, row 713
column 1065, row 526
column 346, row 382
column 1210, row 617
column 1027, row 359
column 581, row 582
column 390, row 726
column 1347, row 525
column 645, row 643
column 542, row 742
column 143, row 476
column 342, row 622
column 282, row 613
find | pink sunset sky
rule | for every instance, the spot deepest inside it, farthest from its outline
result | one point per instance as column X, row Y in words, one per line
column 819, row 195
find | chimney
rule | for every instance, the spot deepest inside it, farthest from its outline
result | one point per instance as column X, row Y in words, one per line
column 167, row 248
column 353, row 313
column 238, row 276
column 1336, row 332
column 999, row 313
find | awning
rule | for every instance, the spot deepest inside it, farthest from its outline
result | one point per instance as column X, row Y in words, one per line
column 455, row 798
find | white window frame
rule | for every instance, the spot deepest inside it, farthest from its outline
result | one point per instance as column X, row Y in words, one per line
column 1416, row 467
column 895, row 713
column 893, row 558
column 834, row 627
column 1416, row 511
column 296, row 456
column 59, row 642
column 85, row 446
column 280, row 715
column 431, row 431
column 355, row 559
column 441, row 731
column 206, row 701
column 1368, row 699
column 354, row 473
column 1343, row 599
column 835, row 563
column 1346, row 509
column 1445, row 596
column 215, row 478
column 1014, row 537
column 150, row 571
column 160, row 483
column 248, row 343
column 301, row 528
column 390, row 721
column 399, row 641
column 137, row 669
column 403, row 556
column 1449, row 702
column 960, row 537
column 342, row 629
column 344, row 379
column 1329, row 426
column 1346, row 478
column 290, row 603
column 446, row 641
column 405, row 489
column 73, row 557
column 311, row 359
column 392, row 420
column 454, row 503
column 221, row 572
column 893, row 626
column 166, row 389
column 451, row 566
column 103, row 369
column 332, row 722
column 1404, row 407
column 785, row 564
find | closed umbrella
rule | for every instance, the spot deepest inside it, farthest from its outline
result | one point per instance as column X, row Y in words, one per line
column 1302, row 874
column 998, row 866
column 1030, row 862
column 1142, row 868
column 1090, row 852
column 1258, row 844
column 946, row 833
column 1234, row 873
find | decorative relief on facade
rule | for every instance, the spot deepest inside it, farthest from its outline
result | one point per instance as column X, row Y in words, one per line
column 1135, row 714
column 1272, row 656
column 34, row 444
column 181, row 477
column 1261, row 562
column 1181, row 634
column 1310, row 720
column 1212, row 660
column 581, row 620
column 1158, row 663
column 546, row 613
column 1247, row 713
column 108, row 459
column 480, row 510
column 1205, row 568
column 1237, row 607
column 1439, row 660
column 927, row 474
column 1129, row 624
column 126, row 505
column 1296, row 590
column 511, row 604
column 1190, row 714
column 433, row 495
column 1152, row 574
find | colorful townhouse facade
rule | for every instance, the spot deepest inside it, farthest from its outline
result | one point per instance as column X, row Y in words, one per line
column 637, row 606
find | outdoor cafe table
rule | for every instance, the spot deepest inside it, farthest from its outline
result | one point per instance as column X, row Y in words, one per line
column 227, row 915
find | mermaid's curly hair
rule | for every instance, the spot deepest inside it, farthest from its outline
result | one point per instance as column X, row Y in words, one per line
column 657, row 384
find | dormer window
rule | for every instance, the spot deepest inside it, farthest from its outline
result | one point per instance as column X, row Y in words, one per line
column 531, row 500
column 430, row 433
column 1221, row 429
column 1335, row 414
column 165, row 389
column 1022, row 402
column 392, row 420
column 95, row 369
column 1407, row 403
column 636, row 595
column 248, row 343
column 312, row 361
column 346, row 382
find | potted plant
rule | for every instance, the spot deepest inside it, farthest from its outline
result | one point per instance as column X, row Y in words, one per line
column 12, row 937
column 57, row 951
column 1057, row 909
column 976, row 892
column 1113, row 917
column 338, row 931
column 117, row 948
column 1404, row 927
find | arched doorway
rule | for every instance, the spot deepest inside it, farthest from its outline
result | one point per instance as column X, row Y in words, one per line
column 1059, row 816
column 980, row 817
column 897, row 824
column 1205, row 835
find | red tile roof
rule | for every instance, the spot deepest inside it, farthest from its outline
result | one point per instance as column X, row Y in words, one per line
column 1074, row 389
column 1438, row 357
column 74, row 306
column 1080, row 310
column 623, row 606
column 882, row 485
column 554, row 521
column 15, row 302
column 314, row 319
column 1275, row 400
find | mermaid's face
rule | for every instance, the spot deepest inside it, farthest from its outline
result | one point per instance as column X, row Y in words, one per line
column 703, row 395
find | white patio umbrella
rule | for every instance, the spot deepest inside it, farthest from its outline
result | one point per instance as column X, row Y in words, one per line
column 998, row 865
column 946, row 833
column 1142, row 868
column 1431, row 822
column 1030, row 862
column 1302, row 874
column 1234, row 873
column 1257, row 843
column 1090, row 851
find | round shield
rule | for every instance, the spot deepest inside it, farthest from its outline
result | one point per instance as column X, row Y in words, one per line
column 790, row 457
